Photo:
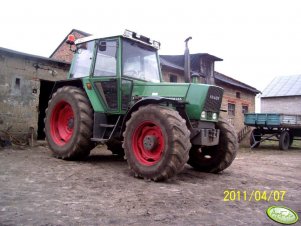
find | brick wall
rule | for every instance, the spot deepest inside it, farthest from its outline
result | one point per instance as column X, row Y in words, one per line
column 20, row 89
column 166, row 72
column 63, row 53
column 285, row 105
column 230, row 96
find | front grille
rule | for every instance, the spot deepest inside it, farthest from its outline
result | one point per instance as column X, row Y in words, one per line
column 214, row 99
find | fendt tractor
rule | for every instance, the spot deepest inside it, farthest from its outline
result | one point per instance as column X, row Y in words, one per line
column 115, row 95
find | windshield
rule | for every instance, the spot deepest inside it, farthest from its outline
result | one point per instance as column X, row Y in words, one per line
column 83, row 58
column 140, row 62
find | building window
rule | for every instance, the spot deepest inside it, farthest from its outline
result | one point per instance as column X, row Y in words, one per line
column 238, row 95
column 231, row 109
column 17, row 83
column 173, row 78
column 245, row 109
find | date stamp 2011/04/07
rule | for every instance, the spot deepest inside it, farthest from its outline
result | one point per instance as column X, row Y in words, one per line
column 254, row 195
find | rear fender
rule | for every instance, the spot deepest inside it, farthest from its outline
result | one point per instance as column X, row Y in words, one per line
column 70, row 82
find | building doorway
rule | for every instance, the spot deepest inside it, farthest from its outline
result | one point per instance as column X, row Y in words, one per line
column 45, row 92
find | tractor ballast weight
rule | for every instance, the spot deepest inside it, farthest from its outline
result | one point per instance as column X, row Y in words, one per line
column 115, row 95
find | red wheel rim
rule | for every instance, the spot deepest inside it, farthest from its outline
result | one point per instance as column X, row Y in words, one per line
column 148, row 143
column 61, row 123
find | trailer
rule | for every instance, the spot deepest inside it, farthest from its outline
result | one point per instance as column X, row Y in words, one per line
column 284, row 128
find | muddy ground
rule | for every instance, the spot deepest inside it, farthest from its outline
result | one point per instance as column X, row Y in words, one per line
column 37, row 189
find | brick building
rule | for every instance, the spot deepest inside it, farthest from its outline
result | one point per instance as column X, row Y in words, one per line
column 239, row 97
column 282, row 95
column 25, row 84
column 62, row 52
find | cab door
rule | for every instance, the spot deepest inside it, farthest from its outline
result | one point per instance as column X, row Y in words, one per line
column 106, row 76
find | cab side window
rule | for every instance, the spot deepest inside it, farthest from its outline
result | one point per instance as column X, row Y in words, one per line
column 106, row 59
column 81, row 65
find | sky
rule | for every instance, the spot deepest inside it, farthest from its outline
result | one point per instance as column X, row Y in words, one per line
column 258, row 40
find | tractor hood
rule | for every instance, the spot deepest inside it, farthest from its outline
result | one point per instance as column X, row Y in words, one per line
column 199, row 97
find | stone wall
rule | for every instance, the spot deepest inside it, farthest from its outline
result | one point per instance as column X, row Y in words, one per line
column 284, row 105
column 20, row 89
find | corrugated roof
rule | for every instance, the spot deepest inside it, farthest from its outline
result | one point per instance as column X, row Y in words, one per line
column 283, row 86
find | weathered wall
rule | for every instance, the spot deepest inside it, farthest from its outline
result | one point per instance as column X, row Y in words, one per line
column 20, row 88
column 285, row 105
column 246, row 99
column 166, row 72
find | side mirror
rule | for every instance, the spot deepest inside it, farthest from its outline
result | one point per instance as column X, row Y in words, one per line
column 102, row 46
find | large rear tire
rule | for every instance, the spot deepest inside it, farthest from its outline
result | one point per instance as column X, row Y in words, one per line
column 69, row 123
column 156, row 142
column 214, row 159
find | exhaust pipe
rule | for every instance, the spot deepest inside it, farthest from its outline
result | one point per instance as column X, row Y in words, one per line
column 187, row 62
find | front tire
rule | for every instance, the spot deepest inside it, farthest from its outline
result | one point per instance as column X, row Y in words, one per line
column 156, row 142
column 214, row 159
column 69, row 123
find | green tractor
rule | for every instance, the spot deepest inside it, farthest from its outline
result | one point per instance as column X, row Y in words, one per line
column 115, row 95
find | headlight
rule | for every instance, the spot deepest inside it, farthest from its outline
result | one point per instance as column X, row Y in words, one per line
column 203, row 115
column 214, row 116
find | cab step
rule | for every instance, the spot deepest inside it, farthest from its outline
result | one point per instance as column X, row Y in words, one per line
column 99, row 140
column 106, row 125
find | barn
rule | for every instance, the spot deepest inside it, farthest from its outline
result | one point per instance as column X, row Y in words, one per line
column 282, row 95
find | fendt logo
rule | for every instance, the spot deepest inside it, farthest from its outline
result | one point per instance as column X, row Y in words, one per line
column 214, row 97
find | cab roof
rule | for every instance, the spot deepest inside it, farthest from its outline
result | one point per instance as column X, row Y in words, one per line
column 127, row 34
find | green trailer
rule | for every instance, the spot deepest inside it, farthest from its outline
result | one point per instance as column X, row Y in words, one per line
column 284, row 128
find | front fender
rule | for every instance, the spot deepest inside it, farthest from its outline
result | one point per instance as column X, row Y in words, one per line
column 180, row 106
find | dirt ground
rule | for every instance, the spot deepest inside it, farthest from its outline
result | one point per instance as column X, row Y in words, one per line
column 37, row 189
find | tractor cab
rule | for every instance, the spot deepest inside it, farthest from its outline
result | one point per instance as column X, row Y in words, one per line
column 130, row 55
column 112, row 62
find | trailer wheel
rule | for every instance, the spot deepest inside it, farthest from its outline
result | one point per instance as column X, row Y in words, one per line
column 214, row 159
column 284, row 140
column 69, row 123
column 254, row 137
column 156, row 142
